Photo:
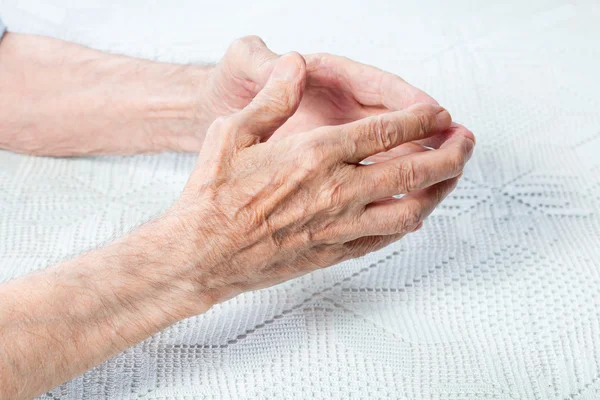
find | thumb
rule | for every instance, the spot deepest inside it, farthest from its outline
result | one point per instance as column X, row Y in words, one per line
column 276, row 102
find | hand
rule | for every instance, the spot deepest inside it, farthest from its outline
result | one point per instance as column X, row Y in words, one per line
column 258, row 212
column 338, row 90
column 253, row 214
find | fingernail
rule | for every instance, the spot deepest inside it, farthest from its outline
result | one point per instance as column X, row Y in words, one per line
column 443, row 120
column 287, row 68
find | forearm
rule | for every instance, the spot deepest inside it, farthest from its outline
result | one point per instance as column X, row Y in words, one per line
column 57, row 323
column 60, row 98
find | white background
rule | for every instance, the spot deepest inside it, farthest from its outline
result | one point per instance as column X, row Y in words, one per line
column 497, row 297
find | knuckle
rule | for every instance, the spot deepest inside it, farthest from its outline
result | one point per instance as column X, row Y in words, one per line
column 361, row 131
column 328, row 233
column 314, row 149
column 424, row 123
column 409, row 219
column 306, row 169
column 236, row 46
column 334, row 195
column 252, row 40
column 307, row 160
column 382, row 131
column 316, row 61
column 406, row 176
column 297, row 57
column 420, row 122
column 246, row 44
column 430, row 118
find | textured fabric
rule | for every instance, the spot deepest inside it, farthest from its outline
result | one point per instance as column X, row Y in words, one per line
column 496, row 297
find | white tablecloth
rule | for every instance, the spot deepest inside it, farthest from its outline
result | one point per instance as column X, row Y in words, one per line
column 497, row 297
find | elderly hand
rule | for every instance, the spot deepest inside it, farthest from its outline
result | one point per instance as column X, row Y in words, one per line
column 338, row 90
column 275, row 210
column 253, row 213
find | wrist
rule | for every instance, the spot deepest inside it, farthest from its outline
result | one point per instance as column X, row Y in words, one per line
column 200, row 247
column 170, row 110
column 142, row 283
column 155, row 274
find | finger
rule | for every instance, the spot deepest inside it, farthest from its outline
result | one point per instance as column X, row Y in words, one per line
column 333, row 254
column 368, row 244
column 402, row 150
column 360, row 139
column 436, row 141
column 432, row 142
column 274, row 104
column 394, row 216
column 413, row 172
column 370, row 86
column 249, row 59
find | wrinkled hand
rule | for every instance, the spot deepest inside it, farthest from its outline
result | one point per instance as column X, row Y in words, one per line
column 259, row 212
column 338, row 90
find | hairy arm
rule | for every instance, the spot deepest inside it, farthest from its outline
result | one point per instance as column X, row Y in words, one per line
column 63, row 99
column 57, row 323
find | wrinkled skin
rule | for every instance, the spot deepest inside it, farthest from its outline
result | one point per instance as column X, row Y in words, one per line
column 338, row 90
column 255, row 211
column 274, row 210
